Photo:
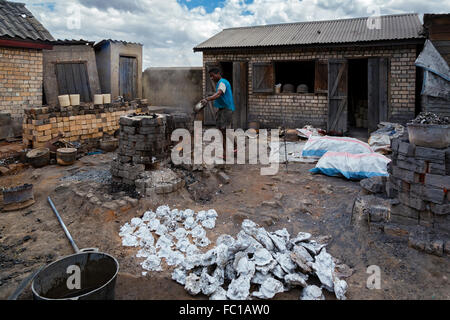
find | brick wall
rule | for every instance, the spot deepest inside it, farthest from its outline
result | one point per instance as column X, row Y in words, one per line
column 21, row 75
column 82, row 123
column 312, row 108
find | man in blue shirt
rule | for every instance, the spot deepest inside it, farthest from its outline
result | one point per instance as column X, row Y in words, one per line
column 223, row 101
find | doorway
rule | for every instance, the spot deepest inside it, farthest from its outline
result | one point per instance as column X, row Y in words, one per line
column 358, row 104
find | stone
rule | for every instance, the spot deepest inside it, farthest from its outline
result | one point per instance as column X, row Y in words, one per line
column 374, row 184
column 296, row 279
column 269, row 289
column 239, row 289
column 192, row 284
column 223, row 177
column 340, row 288
column 312, row 293
column 323, row 267
column 219, row 294
column 396, row 231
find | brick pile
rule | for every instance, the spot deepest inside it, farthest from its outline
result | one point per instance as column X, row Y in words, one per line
column 420, row 180
column 143, row 139
column 87, row 122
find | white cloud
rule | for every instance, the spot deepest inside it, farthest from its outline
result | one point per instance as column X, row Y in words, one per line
column 169, row 30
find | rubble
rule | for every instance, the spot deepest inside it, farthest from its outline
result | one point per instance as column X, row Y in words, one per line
column 271, row 261
column 430, row 118
column 269, row 289
column 312, row 293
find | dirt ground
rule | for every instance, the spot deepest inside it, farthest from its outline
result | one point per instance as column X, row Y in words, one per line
column 293, row 199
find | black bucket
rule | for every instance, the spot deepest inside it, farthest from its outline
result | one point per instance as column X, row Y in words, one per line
column 98, row 273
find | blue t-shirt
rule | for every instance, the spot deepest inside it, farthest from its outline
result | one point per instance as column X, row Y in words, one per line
column 226, row 100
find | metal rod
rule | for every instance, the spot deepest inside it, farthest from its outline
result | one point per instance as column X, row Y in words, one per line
column 285, row 132
column 74, row 246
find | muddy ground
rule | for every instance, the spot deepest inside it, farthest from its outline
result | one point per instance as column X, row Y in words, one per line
column 293, row 199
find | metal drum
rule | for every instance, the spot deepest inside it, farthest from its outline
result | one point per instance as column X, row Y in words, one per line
column 98, row 274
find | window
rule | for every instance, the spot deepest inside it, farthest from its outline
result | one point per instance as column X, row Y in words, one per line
column 295, row 73
column 73, row 79
column 263, row 81
column 303, row 76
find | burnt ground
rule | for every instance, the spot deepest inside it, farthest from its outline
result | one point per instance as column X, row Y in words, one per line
column 295, row 200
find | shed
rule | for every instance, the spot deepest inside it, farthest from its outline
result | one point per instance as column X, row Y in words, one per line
column 22, row 39
column 70, row 68
column 119, row 65
column 334, row 74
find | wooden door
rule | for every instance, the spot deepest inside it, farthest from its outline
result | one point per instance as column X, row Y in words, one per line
column 377, row 92
column 128, row 78
column 240, row 94
column 209, row 111
column 337, row 96
column 72, row 78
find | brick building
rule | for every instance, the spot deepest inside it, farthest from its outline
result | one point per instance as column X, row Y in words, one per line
column 333, row 74
column 22, row 39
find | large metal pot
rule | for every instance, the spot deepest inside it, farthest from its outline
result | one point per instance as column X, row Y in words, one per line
column 429, row 135
column 98, row 274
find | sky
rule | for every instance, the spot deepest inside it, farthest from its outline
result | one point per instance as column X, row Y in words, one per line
column 170, row 29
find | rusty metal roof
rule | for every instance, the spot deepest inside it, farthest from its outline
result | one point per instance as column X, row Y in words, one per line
column 17, row 22
column 393, row 27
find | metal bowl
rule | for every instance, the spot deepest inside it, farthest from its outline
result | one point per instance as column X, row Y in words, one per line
column 429, row 135
column 198, row 107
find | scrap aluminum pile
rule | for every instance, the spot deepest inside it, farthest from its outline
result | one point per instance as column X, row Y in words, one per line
column 430, row 118
column 272, row 261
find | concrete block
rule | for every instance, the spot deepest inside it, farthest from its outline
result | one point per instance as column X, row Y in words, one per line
column 436, row 168
column 418, row 166
column 402, row 174
column 407, row 149
column 438, row 181
column 429, row 154
column 404, row 211
column 411, row 201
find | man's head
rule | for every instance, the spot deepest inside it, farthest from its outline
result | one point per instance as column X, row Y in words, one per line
column 214, row 74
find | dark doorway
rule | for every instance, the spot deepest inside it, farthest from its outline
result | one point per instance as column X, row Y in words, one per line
column 128, row 78
column 227, row 71
column 357, row 94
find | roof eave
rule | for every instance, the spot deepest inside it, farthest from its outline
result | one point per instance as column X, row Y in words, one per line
column 418, row 40
column 27, row 44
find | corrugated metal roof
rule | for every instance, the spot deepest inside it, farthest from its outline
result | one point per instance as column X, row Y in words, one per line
column 393, row 27
column 101, row 43
column 72, row 42
column 17, row 22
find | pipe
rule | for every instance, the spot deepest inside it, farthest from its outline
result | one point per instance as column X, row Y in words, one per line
column 74, row 246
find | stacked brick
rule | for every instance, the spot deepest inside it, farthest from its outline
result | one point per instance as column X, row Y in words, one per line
column 420, row 180
column 82, row 123
column 142, row 140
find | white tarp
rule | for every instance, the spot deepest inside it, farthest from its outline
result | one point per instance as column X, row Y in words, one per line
column 316, row 147
column 352, row 166
column 436, row 81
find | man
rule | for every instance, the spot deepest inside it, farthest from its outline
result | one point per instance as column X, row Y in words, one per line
column 223, row 101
